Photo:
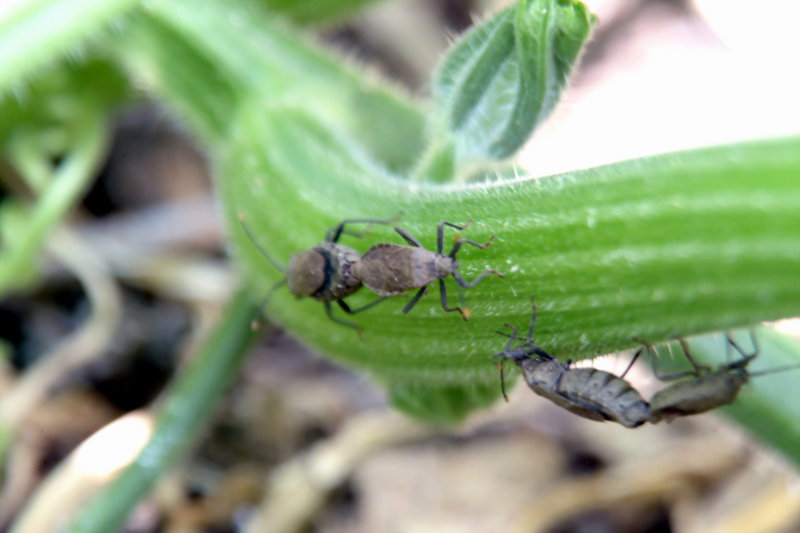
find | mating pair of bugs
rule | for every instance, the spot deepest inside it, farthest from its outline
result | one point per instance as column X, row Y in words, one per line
column 330, row 272
column 599, row 395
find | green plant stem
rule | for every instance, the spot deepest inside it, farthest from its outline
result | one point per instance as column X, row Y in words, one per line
column 31, row 162
column 206, row 57
column 186, row 410
column 681, row 243
column 674, row 244
column 69, row 180
column 37, row 31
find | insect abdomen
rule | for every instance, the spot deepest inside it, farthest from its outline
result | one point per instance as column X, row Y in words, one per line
column 696, row 395
column 610, row 396
column 389, row 269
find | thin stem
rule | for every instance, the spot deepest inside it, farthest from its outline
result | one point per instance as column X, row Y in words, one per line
column 194, row 397
column 70, row 179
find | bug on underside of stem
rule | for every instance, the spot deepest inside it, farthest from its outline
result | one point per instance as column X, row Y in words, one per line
column 587, row 392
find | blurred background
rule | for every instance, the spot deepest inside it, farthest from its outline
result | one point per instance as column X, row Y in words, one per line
column 314, row 446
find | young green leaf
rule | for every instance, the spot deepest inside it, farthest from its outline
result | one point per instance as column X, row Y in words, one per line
column 504, row 77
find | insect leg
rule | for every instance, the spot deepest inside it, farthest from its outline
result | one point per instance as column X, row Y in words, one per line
column 346, row 308
column 534, row 315
column 415, row 299
column 459, row 242
column 745, row 357
column 462, row 282
column 698, row 368
column 408, row 237
column 333, row 234
column 538, row 351
column 256, row 322
column 501, row 367
column 440, row 233
column 329, row 312
column 754, row 342
column 633, row 360
column 511, row 338
column 653, row 355
column 445, row 306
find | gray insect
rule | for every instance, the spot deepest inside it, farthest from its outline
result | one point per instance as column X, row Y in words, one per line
column 587, row 392
column 324, row 272
column 706, row 389
column 390, row 269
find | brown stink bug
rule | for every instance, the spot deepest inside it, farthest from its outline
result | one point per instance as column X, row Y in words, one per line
column 704, row 389
column 324, row 272
column 587, row 392
column 390, row 269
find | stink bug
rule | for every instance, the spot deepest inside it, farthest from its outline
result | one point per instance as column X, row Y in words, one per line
column 587, row 392
column 390, row 269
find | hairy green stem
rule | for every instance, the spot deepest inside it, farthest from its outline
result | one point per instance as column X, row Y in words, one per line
column 675, row 244
column 35, row 32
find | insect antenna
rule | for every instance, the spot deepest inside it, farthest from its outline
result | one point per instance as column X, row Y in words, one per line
column 503, row 383
column 255, row 324
column 746, row 358
column 266, row 255
column 773, row 370
column 501, row 367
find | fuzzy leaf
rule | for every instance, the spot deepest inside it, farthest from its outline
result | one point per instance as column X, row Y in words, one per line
column 504, row 77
